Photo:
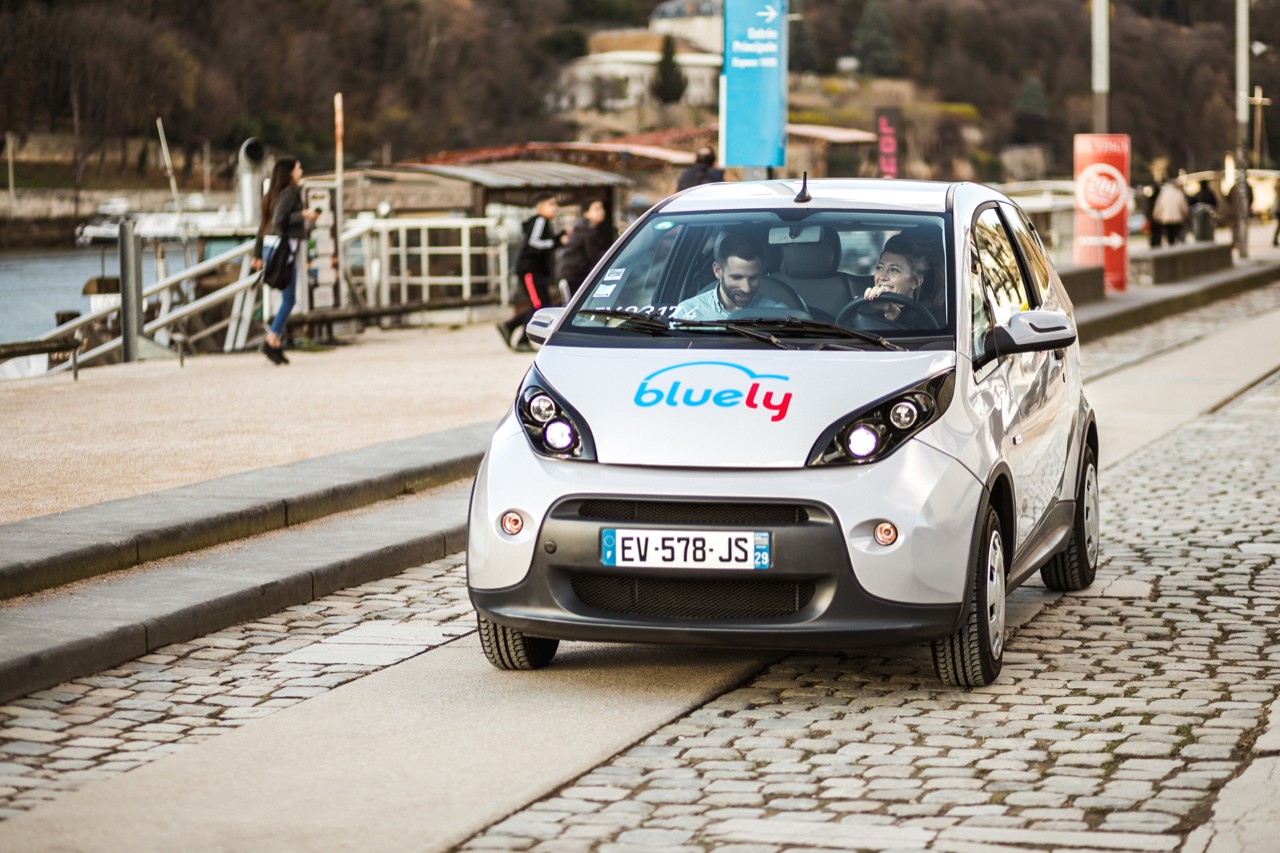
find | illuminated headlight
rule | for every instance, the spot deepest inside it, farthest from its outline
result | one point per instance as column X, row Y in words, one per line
column 559, row 435
column 863, row 441
column 871, row 434
column 553, row 427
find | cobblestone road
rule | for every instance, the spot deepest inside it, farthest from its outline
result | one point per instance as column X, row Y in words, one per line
column 1121, row 712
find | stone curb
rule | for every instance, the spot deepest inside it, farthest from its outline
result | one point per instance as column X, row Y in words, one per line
column 1148, row 303
column 53, row 550
column 48, row 641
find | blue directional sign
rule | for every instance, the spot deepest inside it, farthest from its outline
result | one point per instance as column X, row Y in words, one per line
column 753, row 84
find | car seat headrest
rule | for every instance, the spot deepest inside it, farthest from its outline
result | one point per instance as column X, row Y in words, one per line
column 813, row 260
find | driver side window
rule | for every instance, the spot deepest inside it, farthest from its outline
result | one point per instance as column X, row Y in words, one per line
column 981, row 321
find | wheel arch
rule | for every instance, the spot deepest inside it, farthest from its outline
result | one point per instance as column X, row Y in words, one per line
column 996, row 494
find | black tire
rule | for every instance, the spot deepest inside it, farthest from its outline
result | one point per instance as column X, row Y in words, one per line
column 507, row 648
column 974, row 655
column 1074, row 567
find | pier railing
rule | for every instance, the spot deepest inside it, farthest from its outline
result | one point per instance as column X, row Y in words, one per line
column 392, row 268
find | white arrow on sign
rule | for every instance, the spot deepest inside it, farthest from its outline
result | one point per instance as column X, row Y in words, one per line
column 1112, row 241
column 768, row 14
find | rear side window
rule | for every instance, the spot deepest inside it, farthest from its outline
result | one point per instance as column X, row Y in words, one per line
column 1002, row 282
column 1032, row 251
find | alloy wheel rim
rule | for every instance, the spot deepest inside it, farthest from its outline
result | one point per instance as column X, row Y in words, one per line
column 1091, row 521
column 995, row 593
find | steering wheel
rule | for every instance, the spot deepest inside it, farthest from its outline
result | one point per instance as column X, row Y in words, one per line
column 866, row 314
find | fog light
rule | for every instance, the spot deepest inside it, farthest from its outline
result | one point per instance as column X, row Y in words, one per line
column 904, row 414
column 512, row 522
column 542, row 408
column 558, row 435
column 862, row 441
column 886, row 534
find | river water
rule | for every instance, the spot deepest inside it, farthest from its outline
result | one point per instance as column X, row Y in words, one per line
column 37, row 283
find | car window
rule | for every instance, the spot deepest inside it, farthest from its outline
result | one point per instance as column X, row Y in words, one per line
column 1002, row 282
column 980, row 315
column 1032, row 250
column 804, row 264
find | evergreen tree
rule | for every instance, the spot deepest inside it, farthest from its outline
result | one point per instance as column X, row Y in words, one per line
column 875, row 50
column 1031, row 113
column 669, row 81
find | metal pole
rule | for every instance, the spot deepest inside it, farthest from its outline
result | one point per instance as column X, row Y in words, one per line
column 1101, row 63
column 130, row 289
column 1242, row 127
column 173, row 188
column 11, row 141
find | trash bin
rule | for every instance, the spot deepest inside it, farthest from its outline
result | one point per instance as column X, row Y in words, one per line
column 1202, row 223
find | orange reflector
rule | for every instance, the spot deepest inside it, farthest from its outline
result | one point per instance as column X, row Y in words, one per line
column 886, row 533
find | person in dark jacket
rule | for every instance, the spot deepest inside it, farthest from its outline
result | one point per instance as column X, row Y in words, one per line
column 703, row 170
column 535, row 265
column 588, row 241
column 283, row 216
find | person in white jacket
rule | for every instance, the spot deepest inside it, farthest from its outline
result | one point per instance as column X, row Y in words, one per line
column 1169, row 214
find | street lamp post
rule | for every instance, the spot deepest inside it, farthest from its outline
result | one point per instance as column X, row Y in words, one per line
column 1101, row 10
column 1242, row 127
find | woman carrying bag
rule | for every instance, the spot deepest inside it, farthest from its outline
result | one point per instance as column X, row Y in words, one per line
column 282, row 215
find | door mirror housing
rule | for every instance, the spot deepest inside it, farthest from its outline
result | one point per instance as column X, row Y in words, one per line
column 1033, row 331
column 541, row 324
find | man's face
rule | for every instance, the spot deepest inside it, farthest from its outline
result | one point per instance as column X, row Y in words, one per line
column 739, row 280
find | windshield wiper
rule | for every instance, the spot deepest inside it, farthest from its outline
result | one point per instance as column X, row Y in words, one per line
column 655, row 323
column 816, row 327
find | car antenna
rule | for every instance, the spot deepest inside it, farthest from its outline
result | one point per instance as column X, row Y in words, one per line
column 803, row 196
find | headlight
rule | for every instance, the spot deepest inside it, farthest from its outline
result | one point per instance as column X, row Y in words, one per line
column 875, row 432
column 553, row 427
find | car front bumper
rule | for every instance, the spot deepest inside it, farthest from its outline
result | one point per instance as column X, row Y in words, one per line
column 830, row 584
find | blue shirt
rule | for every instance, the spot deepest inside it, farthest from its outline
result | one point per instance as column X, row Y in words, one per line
column 707, row 305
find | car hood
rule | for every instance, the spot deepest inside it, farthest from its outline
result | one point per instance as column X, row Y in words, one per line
column 723, row 408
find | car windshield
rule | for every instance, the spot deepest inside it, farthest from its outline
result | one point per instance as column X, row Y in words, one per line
column 809, row 279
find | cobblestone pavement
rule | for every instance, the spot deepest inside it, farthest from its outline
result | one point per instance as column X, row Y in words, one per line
column 1122, row 710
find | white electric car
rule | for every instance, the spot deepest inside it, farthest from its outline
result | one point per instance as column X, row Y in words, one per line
column 774, row 451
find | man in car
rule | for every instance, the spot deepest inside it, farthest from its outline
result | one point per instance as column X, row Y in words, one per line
column 738, row 265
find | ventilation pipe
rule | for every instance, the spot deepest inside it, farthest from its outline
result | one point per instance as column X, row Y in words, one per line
column 249, row 181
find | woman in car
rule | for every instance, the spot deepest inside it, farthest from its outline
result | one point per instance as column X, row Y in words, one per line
column 908, row 269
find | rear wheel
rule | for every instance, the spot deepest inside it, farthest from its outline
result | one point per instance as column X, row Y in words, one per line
column 1074, row 567
column 507, row 648
column 974, row 655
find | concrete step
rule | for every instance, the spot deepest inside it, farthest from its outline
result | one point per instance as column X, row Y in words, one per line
column 85, row 627
column 53, row 550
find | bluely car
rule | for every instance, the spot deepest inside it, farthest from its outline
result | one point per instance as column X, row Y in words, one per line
column 821, row 464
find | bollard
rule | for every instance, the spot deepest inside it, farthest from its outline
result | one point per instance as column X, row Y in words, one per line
column 130, row 290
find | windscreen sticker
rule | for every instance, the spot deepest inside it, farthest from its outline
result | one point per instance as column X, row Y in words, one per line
column 723, row 384
column 603, row 290
column 614, row 274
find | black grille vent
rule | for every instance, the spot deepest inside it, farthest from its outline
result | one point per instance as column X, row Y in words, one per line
column 674, row 598
column 690, row 512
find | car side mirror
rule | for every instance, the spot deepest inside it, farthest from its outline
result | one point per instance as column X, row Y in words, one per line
column 1033, row 331
column 540, row 325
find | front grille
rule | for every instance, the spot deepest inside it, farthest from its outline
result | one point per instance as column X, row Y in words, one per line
column 676, row 598
column 692, row 512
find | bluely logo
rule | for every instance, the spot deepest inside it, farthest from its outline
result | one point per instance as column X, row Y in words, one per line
column 691, row 388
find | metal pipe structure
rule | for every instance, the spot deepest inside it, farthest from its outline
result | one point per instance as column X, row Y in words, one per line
column 248, row 181
column 130, row 289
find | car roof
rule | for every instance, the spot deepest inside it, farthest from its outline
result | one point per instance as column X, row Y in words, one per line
column 851, row 193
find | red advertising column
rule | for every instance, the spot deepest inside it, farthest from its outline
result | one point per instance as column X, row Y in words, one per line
column 1102, row 205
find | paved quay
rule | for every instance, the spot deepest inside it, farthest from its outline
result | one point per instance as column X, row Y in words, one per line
column 154, row 705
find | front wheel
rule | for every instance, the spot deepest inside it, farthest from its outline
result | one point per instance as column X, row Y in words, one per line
column 1074, row 567
column 507, row 648
column 974, row 655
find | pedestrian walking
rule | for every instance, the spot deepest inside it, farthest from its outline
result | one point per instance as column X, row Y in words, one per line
column 589, row 239
column 703, row 170
column 535, row 265
column 1169, row 214
column 282, row 214
column 1275, row 212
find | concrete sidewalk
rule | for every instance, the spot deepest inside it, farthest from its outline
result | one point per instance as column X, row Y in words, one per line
column 246, row 447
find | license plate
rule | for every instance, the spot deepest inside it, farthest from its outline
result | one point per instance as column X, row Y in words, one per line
column 683, row 549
